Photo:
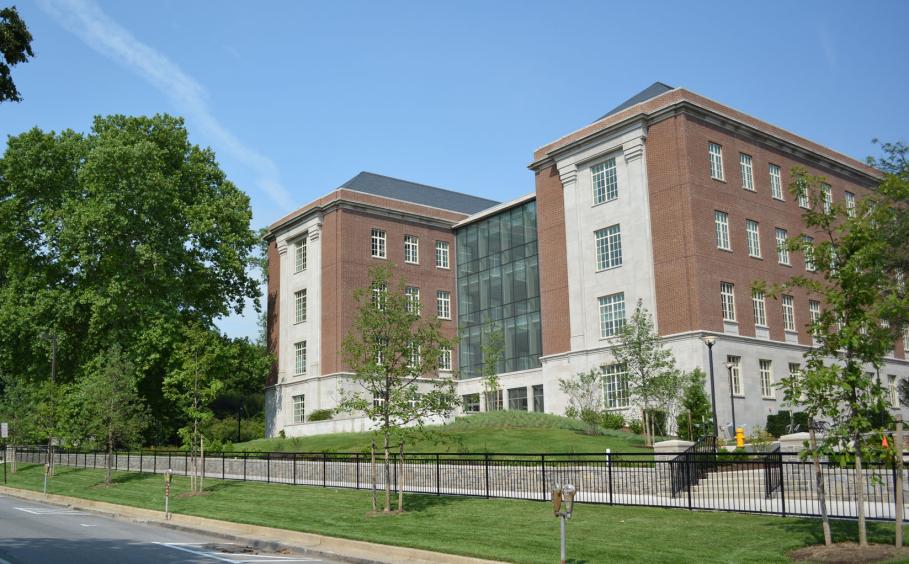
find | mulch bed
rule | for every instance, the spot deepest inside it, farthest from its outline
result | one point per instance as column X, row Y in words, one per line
column 849, row 552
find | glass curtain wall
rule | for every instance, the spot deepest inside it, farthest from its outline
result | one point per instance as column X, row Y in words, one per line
column 499, row 289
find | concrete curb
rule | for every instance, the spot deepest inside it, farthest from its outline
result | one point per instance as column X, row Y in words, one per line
column 265, row 538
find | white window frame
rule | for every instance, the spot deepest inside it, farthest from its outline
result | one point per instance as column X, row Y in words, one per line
column 753, row 236
column 808, row 253
column 782, row 252
column 299, row 358
column 300, row 254
column 827, row 197
column 414, row 356
column 609, row 247
column 715, row 159
column 721, row 222
column 804, row 202
column 445, row 359
column 612, row 314
column 850, row 203
column 379, row 243
column 759, row 304
column 788, row 303
column 735, row 374
column 893, row 389
column 412, row 297
column 615, row 387
column 776, row 182
column 443, row 304
column 745, row 162
column 765, row 368
column 605, row 181
column 300, row 306
column 299, row 408
column 814, row 311
column 727, row 300
column 379, row 293
column 906, row 339
column 443, row 255
column 411, row 249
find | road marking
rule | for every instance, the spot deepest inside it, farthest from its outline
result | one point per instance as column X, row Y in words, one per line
column 85, row 525
column 225, row 557
column 48, row 511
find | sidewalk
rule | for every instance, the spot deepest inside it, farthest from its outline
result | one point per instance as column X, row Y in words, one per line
column 254, row 535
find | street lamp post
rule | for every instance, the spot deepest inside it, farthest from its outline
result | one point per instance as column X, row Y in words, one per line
column 710, row 340
column 52, row 338
column 729, row 367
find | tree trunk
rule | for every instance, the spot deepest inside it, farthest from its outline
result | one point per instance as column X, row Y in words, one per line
column 401, row 480
column 860, row 491
column 202, row 456
column 373, row 466
column 110, row 451
column 819, row 481
column 387, row 508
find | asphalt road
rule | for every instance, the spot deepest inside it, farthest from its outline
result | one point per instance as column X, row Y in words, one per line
column 32, row 532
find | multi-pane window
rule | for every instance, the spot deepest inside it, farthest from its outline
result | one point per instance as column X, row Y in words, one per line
column 727, row 295
column 782, row 251
column 300, row 357
column 850, row 203
column 411, row 249
column 412, row 296
column 538, row 398
column 803, row 194
column 378, row 243
column 442, row 254
column 827, row 197
column 300, row 254
column 300, row 306
column 735, row 374
column 379, row 291
column 716, row 160
column 760, row 311
column 378, row 402
column 795, row 370
column 605, row 182
column 415, row 359
column 788, row 313
column 892, row 388
column 471, row 403
column 808, row 253
column 443, row 304
column 517, row 399
column 776, row 182
column 747, row 172
column 616, row 387
column 494, row 400
column 299, row 408
column 609, row 247
column 721, row 219
column 766, row 370
column 445, row 358
column 753, row 234
column 906, row 339
column 814, row 311
column 612, row 314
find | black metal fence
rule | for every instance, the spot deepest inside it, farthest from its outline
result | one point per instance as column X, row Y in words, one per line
column 771, row 483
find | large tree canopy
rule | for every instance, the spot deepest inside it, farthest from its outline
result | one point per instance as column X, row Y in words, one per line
column 15, row 47
column 122, row 235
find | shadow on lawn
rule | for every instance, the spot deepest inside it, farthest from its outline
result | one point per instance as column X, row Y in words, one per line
column 811, row 532
column 416, row 503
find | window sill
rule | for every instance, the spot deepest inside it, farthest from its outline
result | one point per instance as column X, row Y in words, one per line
column 604, row 202
column 413, row 263
column 767, row 399
column 380, row 258
column 608, row 268
column 756, row 257
column 777, row 199
column 299, row 322
column 724, row 250
column 752, row 190
column 738, row 396
column 787, row 265
column 718, row 179
column 443, row 267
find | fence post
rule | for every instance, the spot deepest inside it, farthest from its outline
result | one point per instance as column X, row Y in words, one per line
column 294, row 462
column 127, row 460
column 609, row 472
column 438, row 475
column 245, row 456
column 140, row 460
column 486, row 462
column 688, row 477
column 155, row 461
column 186, row 464
column 223, row 470
column 543, row 468
column 324, row 461
column 782, row 484
column 267, row 467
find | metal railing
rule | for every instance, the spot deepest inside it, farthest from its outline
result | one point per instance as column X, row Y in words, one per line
column 740, row 482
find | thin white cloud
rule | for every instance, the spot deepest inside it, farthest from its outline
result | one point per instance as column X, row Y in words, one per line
column 828, row 47
column 86, row 20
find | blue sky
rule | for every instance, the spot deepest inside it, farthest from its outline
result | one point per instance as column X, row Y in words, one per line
column 297, row 97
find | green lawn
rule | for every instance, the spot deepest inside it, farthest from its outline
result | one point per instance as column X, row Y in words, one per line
column 502, row 431
column 518, row 531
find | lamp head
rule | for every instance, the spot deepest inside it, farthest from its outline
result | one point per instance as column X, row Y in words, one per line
column 709, row 340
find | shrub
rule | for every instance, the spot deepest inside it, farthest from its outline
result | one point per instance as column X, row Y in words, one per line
column 321, row 415
column 778, row 423
column 695, row 408
column 657, row 418
column 635, row 426
column 612, row 420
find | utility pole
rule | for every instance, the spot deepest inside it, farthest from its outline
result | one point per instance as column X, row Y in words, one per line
column 52, row 338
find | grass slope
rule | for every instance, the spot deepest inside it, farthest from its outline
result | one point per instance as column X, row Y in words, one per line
column 517, row 531
column 500, row 431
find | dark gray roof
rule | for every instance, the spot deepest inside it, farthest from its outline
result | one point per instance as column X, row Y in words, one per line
column 398, row 189
column 651, row 91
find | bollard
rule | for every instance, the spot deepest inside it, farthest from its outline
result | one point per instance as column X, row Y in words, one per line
column 46, row 471
column 168, row 475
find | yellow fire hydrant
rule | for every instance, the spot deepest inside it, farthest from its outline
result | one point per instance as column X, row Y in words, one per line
column 739, row 437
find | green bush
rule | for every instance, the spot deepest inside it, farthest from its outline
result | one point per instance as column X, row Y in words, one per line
column 612, row 420
column 321, row 415
column 224, row 430
column 695, row 418
column 657, row 419
column 635, row 426
column 778, row 423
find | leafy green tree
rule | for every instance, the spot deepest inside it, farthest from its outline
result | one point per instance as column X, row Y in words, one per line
column 493, row 354
column 17, row 407
column 652, row 377
column 16, row 47
column 585, row 398
column 391, row 351
column 107, row 409
column 125, row 234
column 694, row 418
column 864, row 302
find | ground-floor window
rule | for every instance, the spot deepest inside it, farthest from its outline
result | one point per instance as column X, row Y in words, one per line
column 299, row 408
column 538, row 398
column 616, row 387
column 494, row 401
column 517, row 399
column 471, row 403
